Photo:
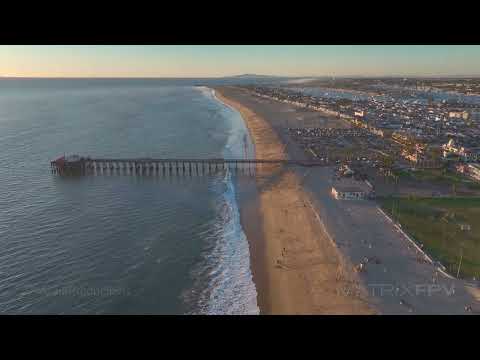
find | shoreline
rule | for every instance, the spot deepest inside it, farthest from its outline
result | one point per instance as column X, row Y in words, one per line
column 250, row 220
column 296, row 267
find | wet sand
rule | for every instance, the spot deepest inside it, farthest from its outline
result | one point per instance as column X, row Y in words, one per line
column 297, row 267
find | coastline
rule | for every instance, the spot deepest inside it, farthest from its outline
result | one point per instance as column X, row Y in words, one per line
column 296, row 267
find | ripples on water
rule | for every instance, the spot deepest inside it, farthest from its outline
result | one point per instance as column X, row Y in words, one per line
column 119, row 244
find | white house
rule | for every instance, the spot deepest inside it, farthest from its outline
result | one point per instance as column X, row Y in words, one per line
column 348, row 193
column 474, row 171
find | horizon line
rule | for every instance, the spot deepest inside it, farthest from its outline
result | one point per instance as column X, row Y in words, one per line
column 245, row 76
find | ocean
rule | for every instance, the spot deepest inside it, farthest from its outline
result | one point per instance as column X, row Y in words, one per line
column 119, row 244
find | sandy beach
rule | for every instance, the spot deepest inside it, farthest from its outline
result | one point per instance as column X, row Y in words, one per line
column 323, row 237
column 302, row 270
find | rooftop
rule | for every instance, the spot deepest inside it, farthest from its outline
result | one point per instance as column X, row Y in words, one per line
column 348, row 189
column 350, row 185
column 72, row 158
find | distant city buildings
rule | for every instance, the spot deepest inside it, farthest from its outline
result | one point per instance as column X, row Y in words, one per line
column 459, row 114
column 471, row 170
column 423, row 129
column 451, row 148
column 410, row 156
column 475, row 115
column 474, row 171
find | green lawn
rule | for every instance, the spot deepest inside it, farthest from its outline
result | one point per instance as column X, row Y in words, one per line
column 435, row 222
column 439, row 176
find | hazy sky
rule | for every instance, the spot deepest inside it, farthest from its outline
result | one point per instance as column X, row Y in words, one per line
column 220, row 60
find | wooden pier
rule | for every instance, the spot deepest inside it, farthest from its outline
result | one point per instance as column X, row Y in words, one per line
column 77, row 165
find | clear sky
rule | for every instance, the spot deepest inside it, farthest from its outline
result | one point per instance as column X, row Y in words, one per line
column 222, row 60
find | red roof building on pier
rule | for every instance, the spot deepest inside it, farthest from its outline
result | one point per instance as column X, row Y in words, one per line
column 60, row 161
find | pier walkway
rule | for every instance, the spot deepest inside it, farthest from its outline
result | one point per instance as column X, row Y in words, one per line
column 76, row 165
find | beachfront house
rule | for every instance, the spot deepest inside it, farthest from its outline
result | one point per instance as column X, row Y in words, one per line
column 340, row 192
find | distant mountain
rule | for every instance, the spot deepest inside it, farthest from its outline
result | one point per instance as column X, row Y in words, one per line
column 255, row 76
column 269, row 79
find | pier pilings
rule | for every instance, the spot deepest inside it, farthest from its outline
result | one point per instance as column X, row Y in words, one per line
column 183, row 167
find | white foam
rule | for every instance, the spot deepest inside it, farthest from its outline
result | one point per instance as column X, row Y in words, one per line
column 223, row 279
column 224, row 284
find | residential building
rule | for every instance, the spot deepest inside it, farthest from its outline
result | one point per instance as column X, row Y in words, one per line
column 348, row 193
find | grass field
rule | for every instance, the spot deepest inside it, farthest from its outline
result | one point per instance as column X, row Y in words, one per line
column 439, row 176
column 436, row 223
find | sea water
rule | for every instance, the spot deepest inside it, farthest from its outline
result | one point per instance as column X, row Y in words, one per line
column 119, row 244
